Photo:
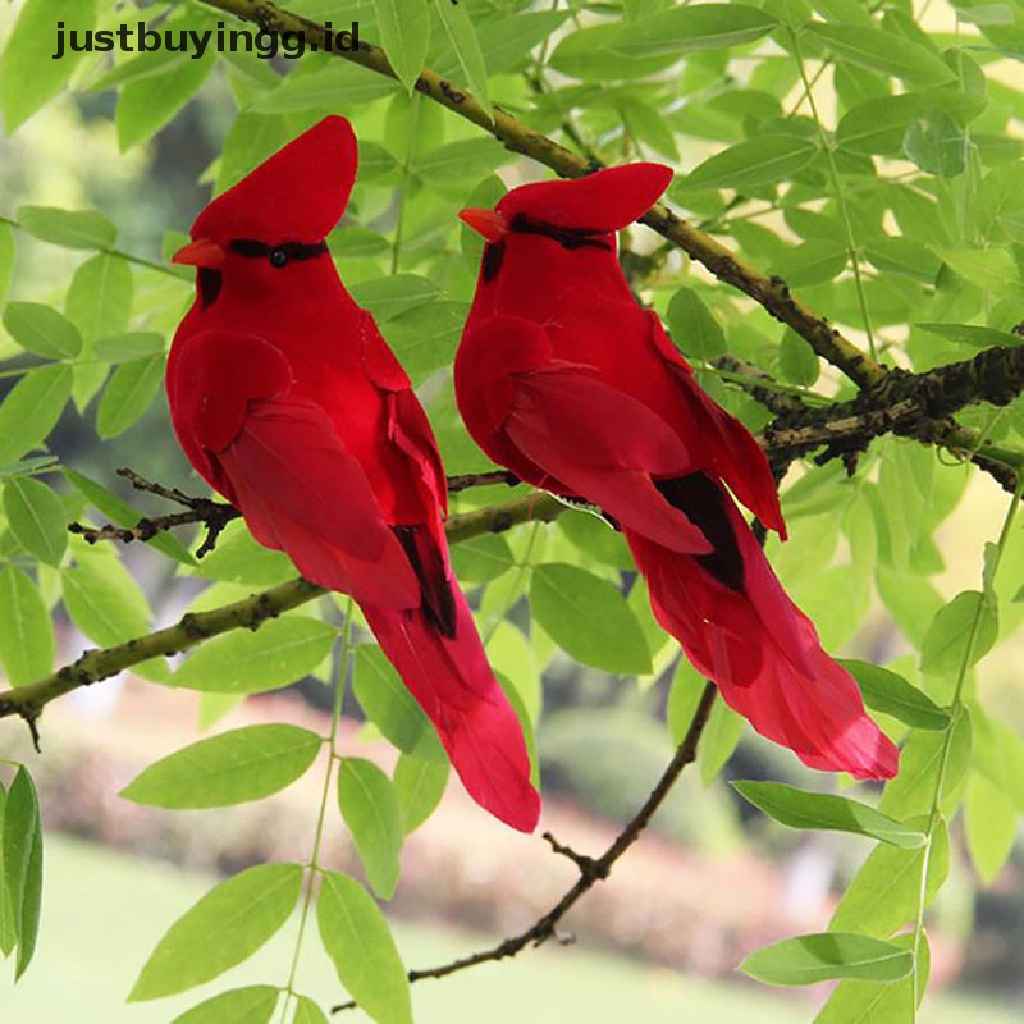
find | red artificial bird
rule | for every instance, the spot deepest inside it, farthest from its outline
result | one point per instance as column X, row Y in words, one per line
column 566, row 380
column 288, row 401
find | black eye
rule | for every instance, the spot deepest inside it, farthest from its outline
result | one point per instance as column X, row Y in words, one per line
column 278, row 257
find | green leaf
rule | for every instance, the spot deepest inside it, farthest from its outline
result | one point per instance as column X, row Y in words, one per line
column 238, row 558
column 798, row 809
column 387, row 703
column 226, row 926
column 27, row 647
column 972, row 334
column 29, row 75
column 121, row 513
column 35, row 515
column 719, row 739
column 235, row 767
column 104, row 602
column 798, row 362
column 280, row 652
column 904, row 256
column 123, row 348
column 645, row 123
column 482, row 559
column 376, row 161
column 23, row 863
column 589, row 619
column 370, row 807
column 506, row 42
column 886, row 691
column 879, row 1002
column 404, row 27
column 419, row 784
column 72, row 229
column 595, row 537
column 597, row 53
column 913, row 790
column 989, row 269
column 128, row 394
column 8, row 924
column 358, row 941
column 877, row 126
column 6, row 258
column 681, row 29
column 887, row 52
column 253, row 1004
column 99, row 302
column 42, row 330
column 462, row 37
column 990, row 821
column 812, row 262
column 444, row 166
column 322, row 89
column 356, row 242
column 752, row 164
column 808, row 959
column 885, row 894
column 307, row 1012
column 146, row 104
column 945, row 646
column 387, row 297
column 694, row 328
column 937, row 144
column 512, row 656
column 655, row 42
column 31, row 410
column 425, row 339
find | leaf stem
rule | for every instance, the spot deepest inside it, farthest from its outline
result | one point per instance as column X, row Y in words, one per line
column 957, row 710
column 837, row 188
column 410, row 149
column 340, row 676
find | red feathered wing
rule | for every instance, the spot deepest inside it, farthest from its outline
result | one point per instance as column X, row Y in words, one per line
column 588, row 438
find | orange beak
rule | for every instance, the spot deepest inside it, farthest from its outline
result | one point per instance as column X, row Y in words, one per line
column 489, row 223
column 202, row 253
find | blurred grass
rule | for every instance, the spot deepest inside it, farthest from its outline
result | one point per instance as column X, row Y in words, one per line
column 104, row 911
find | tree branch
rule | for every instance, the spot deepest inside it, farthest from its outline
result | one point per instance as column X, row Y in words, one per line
column 917, row 405
column 28, row 701
column 215, row 515
column 591, row 869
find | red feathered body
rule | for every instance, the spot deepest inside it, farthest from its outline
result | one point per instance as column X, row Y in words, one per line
column 288, row 401
column 563, row 378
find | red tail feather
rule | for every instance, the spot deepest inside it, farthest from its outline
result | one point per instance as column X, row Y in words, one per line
column 453, row 683
column 765, row 657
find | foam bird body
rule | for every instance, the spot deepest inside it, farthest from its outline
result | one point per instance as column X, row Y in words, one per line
column 288, row 401
column 566, row 380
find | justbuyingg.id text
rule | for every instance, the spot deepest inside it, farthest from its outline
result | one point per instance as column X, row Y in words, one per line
column 143, row 39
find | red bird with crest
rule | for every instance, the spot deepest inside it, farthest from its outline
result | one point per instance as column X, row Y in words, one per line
column 563, row 378
column 287, row 400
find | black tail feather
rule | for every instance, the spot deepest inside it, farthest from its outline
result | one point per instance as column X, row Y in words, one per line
column 435, row 586
column 701, row 500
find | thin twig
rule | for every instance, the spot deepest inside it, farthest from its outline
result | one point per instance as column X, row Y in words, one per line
column 29, row 700
column 592, row 869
